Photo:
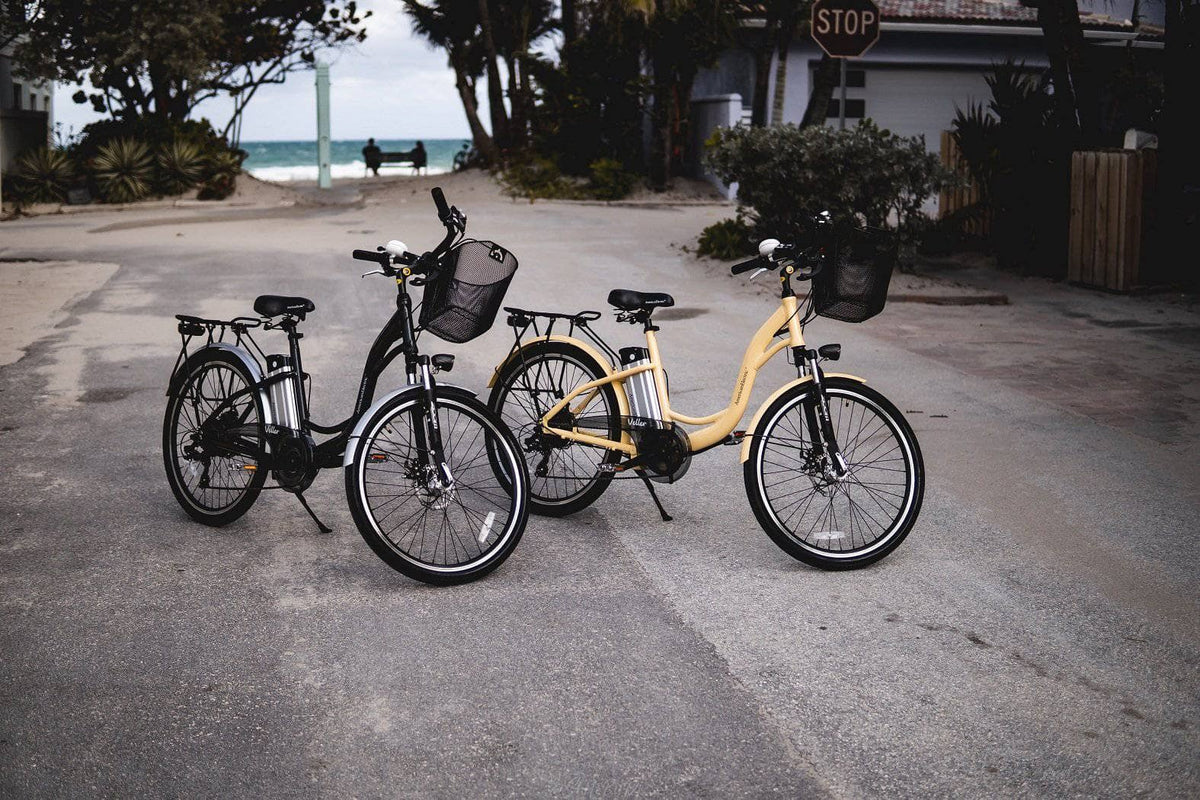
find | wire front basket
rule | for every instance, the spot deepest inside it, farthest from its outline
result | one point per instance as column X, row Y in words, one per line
column 462, row 301
column 853, row 285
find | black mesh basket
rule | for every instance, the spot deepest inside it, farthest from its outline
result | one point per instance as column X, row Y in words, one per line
column 853, row 285
column 462, row 301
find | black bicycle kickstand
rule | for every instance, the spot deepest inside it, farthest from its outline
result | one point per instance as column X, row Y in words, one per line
column 653, row 495
column 320, row 525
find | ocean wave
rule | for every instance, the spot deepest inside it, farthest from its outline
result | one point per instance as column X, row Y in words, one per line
column 354, row 169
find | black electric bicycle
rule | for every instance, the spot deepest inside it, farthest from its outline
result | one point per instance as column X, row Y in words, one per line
column 435, row 482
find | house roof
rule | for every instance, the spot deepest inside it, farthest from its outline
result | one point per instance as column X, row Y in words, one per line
column 986, row 12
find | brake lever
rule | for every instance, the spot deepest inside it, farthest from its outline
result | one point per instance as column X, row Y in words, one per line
column 758, row 272
column 373, row 272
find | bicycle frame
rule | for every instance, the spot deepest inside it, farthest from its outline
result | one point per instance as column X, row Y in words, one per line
column 717, row 426
column 396, row 338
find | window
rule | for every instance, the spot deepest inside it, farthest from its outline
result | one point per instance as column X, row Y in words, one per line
column 855, row 109
column 856, row 78
column 17, row 96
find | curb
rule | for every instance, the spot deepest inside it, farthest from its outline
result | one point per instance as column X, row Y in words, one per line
column 990, row 299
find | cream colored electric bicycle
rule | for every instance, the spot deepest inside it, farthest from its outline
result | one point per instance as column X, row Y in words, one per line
column 833, row 471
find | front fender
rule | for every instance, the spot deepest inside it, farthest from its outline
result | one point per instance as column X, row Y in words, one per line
column 356, row 434
column 786, row 387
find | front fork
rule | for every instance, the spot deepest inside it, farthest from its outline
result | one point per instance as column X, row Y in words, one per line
column 427, row 429
column 820, row 423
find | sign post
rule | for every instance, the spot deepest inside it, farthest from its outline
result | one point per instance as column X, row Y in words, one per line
column 324, row 177
column 845, row 29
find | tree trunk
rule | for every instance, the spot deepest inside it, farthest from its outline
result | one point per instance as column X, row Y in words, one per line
column 825, row 79
column 569, row 30
column 484, row 144
column 762, row 75
column 499, row 114
column 1076, row 101
column 785, row 43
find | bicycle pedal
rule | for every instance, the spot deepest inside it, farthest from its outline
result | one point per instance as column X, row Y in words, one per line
column 734, row 438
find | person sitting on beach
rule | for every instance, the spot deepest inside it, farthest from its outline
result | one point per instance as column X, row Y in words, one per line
column 373, row 156
column 419, row 157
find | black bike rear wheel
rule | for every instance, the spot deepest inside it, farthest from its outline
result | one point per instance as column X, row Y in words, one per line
column 211, row 447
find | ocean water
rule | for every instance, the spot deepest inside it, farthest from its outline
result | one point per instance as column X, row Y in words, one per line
column 297, row 161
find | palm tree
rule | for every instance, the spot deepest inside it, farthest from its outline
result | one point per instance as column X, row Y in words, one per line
column 451, row 26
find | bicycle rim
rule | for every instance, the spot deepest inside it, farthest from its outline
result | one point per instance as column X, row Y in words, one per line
column 211, row 481
column 570, row 469
column 850, row 517
column 440, row 531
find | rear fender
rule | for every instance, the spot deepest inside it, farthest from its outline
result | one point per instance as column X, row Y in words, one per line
column 592, row 352
column 807, row 379
column 248, row 361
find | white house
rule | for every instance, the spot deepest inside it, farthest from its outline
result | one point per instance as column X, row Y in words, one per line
column 26, row 113
column 932, row 57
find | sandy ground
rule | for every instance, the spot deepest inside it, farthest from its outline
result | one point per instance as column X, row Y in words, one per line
column 36, row 296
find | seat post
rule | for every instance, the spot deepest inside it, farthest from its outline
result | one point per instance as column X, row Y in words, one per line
column 294, row 337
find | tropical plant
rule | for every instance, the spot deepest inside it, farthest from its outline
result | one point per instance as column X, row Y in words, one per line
column 123, row 170
column 860, row 175
column 221, row 180
column 727, row 239
column 181, row 165
column 1019, row 158
column 610, row 180
column 44, row 175
column 453, row 27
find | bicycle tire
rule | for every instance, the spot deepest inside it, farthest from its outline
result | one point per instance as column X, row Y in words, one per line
column 207, row 378
column 395, row 523
column 554, row 368
column 883, row 489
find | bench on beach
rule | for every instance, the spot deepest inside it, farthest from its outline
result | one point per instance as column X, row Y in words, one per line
column 398, row 157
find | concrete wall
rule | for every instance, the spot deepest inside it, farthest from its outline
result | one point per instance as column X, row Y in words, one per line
column 708, row 114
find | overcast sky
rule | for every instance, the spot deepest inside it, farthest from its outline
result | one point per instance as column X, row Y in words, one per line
column 392, row 86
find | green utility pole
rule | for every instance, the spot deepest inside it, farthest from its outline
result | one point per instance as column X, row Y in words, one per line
column 324, row 179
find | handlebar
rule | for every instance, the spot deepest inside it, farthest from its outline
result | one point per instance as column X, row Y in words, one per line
column 439, row 199
column 425, row 264
column 754, row 263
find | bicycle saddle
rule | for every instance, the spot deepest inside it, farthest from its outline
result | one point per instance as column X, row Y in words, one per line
column 272, row 305
column 629, row 300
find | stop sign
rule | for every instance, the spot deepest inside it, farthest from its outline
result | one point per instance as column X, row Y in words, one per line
column 845, row 28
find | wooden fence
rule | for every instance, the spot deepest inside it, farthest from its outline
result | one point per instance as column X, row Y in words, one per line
column 1109, row 189
column 952, row 201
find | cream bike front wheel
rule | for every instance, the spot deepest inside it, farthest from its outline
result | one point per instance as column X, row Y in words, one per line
column 817, row 512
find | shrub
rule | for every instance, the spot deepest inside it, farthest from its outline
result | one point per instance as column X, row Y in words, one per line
column 537, row 177
column 727, row 239
column 1020, row 158
column 123, row 170
column 223, row 170
column 181, row 166
column 609, row 179
column 860, row 175
column 44, row 175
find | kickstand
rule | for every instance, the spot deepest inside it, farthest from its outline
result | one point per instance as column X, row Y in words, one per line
column 654, row 495
column 320, row 525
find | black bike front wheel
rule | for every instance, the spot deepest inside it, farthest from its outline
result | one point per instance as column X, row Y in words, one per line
column 814, row 514
column 404, row 509
column 213, row 438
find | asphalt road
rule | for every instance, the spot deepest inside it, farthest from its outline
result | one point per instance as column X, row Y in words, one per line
column 1036, row 635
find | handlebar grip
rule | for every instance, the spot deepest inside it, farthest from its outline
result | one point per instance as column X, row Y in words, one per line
column 746, row 266
column 439, row 200
column 372, row 255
